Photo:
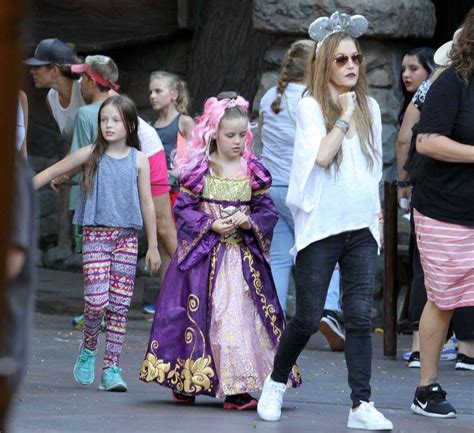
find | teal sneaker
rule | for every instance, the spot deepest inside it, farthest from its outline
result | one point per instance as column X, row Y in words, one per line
column 112, row 380
column 84, row 368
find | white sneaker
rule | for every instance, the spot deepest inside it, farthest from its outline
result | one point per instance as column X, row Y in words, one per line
column 366, row 417
column 271, row 400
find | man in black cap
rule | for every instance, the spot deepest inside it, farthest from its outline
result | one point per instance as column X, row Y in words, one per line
column 51, row 68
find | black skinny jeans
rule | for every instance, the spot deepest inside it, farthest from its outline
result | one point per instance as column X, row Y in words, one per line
column 356, row 252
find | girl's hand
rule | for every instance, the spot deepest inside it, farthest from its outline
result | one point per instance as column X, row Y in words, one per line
column 239, row 219
column 347, row 101
column 58, row 181
column 223, row 226
column 152, row 260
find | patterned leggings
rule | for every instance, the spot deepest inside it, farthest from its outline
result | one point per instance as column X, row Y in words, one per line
column 109, row 264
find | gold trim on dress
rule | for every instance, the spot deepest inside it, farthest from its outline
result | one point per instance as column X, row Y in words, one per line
column 188, row 375
column 185, row 247
column 188, row 191
column 269, row 309
column 224, row 189
column 260, row 191
column 264, row 242
column 214, row 257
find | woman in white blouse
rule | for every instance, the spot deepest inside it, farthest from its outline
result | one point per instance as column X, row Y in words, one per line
column 334, row 199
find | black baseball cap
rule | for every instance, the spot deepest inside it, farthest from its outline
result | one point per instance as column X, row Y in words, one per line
column 51, row 51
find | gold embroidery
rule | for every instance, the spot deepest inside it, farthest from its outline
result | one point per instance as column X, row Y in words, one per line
column 223, row 189
column 185, row 247
column 264, row 242
column 153, row 368
column 197, row 374
column 269, row 309
column 260, row 191
column 215, row 254
column 188, row 191
column 190, row 375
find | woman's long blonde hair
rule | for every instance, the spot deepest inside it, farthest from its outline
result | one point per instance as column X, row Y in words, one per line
column 318, row 79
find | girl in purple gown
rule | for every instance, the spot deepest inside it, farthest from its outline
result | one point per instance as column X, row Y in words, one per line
column 218, row 320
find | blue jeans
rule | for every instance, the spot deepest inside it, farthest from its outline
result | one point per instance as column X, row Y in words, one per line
column 356, row 253
column 281, row 259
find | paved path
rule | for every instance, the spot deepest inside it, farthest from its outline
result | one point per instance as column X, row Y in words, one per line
column 52, row 402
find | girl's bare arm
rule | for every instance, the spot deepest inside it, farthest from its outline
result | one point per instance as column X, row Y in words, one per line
column 70, row 163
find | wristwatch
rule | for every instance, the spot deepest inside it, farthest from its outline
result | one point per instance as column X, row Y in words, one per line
column 403, row 183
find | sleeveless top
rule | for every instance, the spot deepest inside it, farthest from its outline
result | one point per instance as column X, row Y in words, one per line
column 168, row 136
column 65, row 116
column 114, row 199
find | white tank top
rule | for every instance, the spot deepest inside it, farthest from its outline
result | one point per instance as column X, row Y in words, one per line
column 65, row 116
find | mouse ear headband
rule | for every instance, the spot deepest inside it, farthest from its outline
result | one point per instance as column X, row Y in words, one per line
column 321, row 28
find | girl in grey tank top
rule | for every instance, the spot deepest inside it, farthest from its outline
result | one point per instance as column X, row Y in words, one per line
column 115, row 202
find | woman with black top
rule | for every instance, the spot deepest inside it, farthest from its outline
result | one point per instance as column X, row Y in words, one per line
column 444, row 212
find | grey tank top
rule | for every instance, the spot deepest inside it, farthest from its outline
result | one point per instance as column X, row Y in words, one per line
column 169, row 137
column 114, row 199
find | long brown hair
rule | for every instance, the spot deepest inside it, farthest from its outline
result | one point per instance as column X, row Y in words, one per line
column 462, row 52
column 128, row 113
column 293, row 68
column 318, row 79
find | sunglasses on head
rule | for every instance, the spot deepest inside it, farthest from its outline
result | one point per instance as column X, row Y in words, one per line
column 342, row 59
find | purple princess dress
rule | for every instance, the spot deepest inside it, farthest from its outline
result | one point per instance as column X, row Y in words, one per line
column 218, row 320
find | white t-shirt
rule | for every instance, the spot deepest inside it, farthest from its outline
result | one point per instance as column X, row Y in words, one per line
column 65, row 116
column 149, row 139
column 324, row 203
column 278, row 131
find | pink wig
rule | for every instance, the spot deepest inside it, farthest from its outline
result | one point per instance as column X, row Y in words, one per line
column 202, row 141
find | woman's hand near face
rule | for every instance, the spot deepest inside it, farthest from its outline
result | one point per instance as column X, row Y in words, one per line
column 347, row 101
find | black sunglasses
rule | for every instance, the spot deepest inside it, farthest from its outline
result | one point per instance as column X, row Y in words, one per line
column 342, row 60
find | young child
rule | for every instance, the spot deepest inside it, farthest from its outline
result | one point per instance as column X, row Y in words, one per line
column 115, row 200
column 218, row 320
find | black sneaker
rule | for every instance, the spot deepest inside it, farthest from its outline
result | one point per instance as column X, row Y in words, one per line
column 431, row 401
column 333, row 330
column 414, row 360
column 464, row 362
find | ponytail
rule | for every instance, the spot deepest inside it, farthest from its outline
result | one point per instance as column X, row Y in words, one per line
column 293, row 68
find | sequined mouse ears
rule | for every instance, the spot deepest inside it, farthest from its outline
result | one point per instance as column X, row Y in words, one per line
column 321, row 28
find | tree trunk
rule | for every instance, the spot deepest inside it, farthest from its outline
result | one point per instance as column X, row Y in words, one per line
column 227, row 52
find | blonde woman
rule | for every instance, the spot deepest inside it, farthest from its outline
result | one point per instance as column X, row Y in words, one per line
column 277, row 129
column 333, row 195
